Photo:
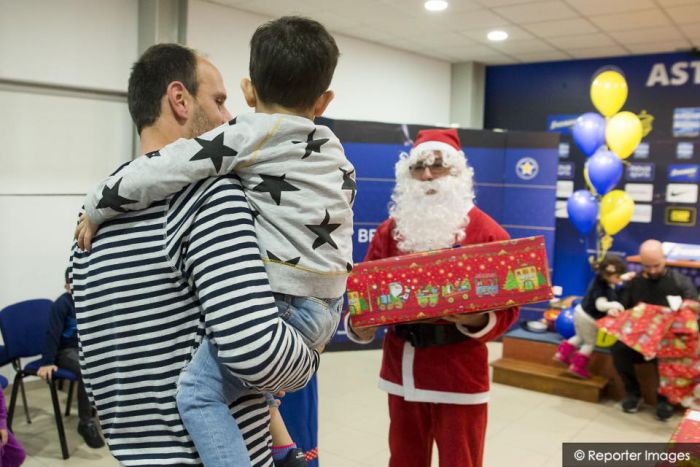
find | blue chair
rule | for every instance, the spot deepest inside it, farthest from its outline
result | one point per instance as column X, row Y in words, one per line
column 5, row 360
column 23, row 326
column 3, row 382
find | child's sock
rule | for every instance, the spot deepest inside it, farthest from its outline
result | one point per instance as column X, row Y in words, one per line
column 280, row 452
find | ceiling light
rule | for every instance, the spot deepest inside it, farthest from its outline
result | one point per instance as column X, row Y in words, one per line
column 497, row 36
column 435, row 5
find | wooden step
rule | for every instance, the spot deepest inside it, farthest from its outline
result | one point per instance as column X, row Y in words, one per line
column 547, row 378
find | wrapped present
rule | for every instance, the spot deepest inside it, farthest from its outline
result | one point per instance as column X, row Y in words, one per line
column 676, row 389
column 472, row 278
column 641, row 328
column 678, row 345
column 686, row 367
column 688, row 430
column 685, row 321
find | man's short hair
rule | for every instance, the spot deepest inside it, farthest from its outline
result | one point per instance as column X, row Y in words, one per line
column 159, row 66
column 292, row 60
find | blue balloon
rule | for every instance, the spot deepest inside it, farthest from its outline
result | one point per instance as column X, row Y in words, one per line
column 565, row 323
column 589, row 132
column 604, row 171
column 583, row 210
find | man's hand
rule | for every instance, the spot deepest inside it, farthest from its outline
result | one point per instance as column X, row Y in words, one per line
column 46, row 371
column 471, row 320
column 84, row 232
column 614, row 312
column 365, row 334
column 3, row 436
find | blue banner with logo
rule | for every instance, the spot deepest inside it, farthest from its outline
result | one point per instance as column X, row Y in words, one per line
column 662, row 174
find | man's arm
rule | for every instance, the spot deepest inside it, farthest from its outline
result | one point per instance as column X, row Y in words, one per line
column 160, row 174
column 688, row 290
column 219, row 257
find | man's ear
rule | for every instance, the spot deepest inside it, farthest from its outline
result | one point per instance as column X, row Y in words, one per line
column 249, row 94
column 322, row 102
column 178, row 99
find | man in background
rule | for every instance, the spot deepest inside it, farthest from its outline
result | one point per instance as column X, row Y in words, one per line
column 653, row 286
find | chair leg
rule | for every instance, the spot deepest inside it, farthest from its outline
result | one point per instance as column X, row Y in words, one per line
column 13, row 399
column 59, row 420
column 69, row 401
column 24, row 401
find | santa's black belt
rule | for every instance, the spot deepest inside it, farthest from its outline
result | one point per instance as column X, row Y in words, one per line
column 429, row 335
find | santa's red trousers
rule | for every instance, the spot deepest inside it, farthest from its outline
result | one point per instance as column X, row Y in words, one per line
column 458, row 431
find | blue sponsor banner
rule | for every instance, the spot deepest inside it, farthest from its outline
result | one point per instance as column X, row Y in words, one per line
column 566, row 171
column 642, row 151
column 640, row 172
column 689, row 173
column 561, row 123
column 686, row 121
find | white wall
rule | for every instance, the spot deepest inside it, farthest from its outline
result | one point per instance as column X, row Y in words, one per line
column 372, row 82
column 57, row 144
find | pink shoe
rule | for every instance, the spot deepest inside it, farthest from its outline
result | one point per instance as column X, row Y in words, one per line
column 579, row 365
column 564, row 352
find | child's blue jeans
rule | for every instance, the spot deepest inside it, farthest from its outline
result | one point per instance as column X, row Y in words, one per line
column 206, row 388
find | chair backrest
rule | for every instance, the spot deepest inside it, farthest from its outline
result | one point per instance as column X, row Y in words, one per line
column 3, row 382
column 23, row 326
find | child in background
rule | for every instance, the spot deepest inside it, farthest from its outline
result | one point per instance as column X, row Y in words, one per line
column 11, row 452
column 300, row 188
column 600, row 300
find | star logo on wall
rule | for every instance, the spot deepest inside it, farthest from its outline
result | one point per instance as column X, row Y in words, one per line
column 214, row 150
column 312, row 145
column 275, row 186
column 527, row 168
column 349, row 183
column 111, row 199
column 323, row 232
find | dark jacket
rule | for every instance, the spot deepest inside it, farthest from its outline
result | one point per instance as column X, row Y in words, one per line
column 63, row 330
column 655, row 291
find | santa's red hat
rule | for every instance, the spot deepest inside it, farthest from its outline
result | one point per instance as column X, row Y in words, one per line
column 444, row 140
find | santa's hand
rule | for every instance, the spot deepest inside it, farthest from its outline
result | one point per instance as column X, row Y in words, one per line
column 365, row 334
column 472, row 320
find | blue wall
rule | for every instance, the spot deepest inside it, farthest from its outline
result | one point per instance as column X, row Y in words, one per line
column 548, row 96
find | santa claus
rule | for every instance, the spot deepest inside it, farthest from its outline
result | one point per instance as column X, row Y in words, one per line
column 436, row 373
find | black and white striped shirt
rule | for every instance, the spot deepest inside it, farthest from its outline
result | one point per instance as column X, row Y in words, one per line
column 155, row 282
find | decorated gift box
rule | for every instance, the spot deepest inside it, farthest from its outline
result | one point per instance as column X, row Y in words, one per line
column 641, row 328
column 471, row 278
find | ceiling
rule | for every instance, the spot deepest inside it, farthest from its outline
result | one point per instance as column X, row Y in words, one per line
column 539, row 30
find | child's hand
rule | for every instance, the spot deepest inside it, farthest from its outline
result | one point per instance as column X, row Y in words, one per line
column 614, row 312
column 3, row 436
column 46, row 371
column 84, row 232
column 628, row 276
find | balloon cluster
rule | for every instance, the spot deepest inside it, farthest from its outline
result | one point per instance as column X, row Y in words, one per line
column 606, row 140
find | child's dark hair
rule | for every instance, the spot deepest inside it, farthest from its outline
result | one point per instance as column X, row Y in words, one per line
column 292, row 60
column 611, row 265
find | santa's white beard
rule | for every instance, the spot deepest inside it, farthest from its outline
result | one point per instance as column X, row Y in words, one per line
column 431, row 221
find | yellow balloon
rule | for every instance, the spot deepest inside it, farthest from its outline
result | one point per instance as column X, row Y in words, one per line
column 616, row 210
column 590, row 187
column 623, row 132
column 609, row 92
column 605, row 340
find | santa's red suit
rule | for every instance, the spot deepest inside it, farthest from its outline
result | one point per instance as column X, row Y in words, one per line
column 439, row 393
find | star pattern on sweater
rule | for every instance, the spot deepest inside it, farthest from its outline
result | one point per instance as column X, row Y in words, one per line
column 214, row 150
column 275, row 186
column 312, row 145
column 323, row 232
column 111, row 198
column 291, row 262
column 349, row 183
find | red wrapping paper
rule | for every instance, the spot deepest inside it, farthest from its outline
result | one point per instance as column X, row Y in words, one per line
column 472, row 278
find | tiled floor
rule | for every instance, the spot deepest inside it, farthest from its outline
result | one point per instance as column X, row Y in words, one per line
column 525, row 428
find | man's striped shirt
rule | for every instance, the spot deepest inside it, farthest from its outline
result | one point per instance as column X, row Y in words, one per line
column 154, row 283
